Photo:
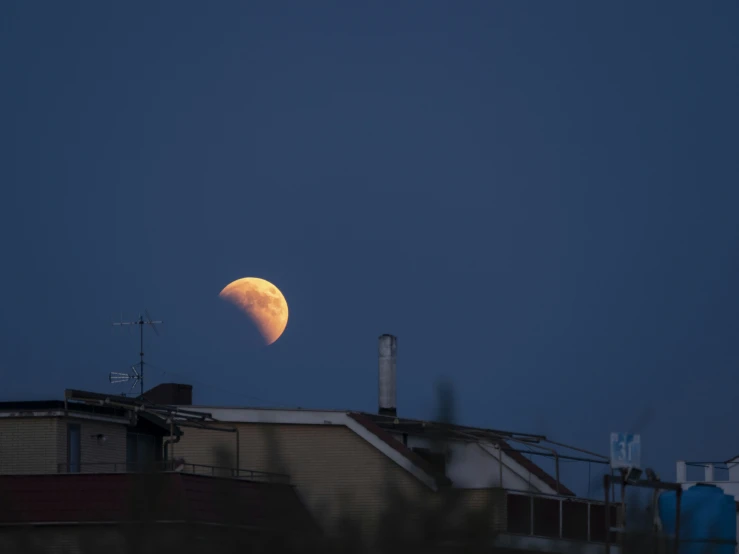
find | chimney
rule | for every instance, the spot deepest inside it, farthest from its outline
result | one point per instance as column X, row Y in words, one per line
column 388, row 347
column 173, row 394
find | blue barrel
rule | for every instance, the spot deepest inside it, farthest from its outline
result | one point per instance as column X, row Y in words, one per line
column 707, row 519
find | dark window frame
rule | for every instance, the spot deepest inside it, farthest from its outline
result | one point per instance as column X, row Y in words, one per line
column 581, row 520
column 76, row 467
column 438, row 460
column 136, row 449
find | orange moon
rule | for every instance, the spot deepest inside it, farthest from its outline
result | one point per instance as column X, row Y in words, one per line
column 262, row 302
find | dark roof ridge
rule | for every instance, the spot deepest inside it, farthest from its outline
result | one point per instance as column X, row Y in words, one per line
column 454, row 425
column 57, row 405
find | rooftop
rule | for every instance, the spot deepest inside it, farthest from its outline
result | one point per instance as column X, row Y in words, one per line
column 382, row 427
column 381, row 430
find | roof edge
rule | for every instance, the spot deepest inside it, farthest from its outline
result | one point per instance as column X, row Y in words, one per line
column 401, row 454
column 72, row 414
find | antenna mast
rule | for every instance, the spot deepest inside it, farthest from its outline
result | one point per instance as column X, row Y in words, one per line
column 137, row 376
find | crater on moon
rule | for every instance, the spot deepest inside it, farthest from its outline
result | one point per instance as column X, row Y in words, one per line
column 262, row 302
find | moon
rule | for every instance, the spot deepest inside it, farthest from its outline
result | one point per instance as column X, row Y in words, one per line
column 262, row 302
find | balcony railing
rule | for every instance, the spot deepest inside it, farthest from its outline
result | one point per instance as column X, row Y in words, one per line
column 170, row 466
column 558, row 517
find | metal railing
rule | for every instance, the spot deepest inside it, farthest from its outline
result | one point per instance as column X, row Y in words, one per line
column 554, row 516
column 174, row 467
column 706, row 472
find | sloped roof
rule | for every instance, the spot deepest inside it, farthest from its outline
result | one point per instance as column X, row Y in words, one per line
column 535, row 469
column 387, row 438
column 380, row 421
column 374, row 429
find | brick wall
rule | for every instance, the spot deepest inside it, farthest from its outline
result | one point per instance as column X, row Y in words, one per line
column 100, row 456
column 29, row 445
column 39, row 444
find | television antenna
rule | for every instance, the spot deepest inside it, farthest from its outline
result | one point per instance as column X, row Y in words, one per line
column 119, row 377
column 136, row 375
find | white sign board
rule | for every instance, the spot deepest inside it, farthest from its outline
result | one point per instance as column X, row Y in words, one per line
column 625, row 450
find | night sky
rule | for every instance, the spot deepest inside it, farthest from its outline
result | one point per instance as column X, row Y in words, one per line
column 540, row 199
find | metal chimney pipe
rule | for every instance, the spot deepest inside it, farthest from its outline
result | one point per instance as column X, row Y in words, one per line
column 388, row 348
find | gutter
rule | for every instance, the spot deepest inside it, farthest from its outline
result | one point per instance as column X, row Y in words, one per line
column 64, row 413
column 172, row 440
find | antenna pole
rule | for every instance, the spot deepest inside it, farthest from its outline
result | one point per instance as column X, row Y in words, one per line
column 141, row 352
column 117, row 377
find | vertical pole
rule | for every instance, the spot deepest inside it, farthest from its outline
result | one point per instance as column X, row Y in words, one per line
column 613, row 486
column 529, row 472
column 622, row 512
column 606, row 485
column 556, row 470
column 589, row 481
column 531, row 512
column 141, row 352
column 561, row 512
column 238, row 466
column 500, row 465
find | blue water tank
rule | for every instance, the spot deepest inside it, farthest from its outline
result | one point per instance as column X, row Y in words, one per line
column 707, row 519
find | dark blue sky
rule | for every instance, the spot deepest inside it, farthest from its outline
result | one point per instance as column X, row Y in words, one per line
column 539, row 198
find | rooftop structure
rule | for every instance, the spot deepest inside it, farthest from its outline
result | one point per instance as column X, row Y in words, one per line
column 723, row 474
column 339, row 463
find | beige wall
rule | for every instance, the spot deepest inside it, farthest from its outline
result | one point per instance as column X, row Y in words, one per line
column 30, row 445
column 335, row 471
column 100, row 457
column 39, row 444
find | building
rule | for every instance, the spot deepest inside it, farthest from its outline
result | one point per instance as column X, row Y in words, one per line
column 346, row 469
column 56, row 437
column 79, row 475
column 347, row 465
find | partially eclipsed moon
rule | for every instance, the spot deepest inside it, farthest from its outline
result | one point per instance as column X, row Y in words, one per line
column 262, row 302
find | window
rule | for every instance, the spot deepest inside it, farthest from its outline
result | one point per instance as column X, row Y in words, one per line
column 519, row 514
column 436, row 459
column 73, row 448
column 142, row 450
column 575, row 520
column 546, row 516
column 131, row 450
column 598, row 525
